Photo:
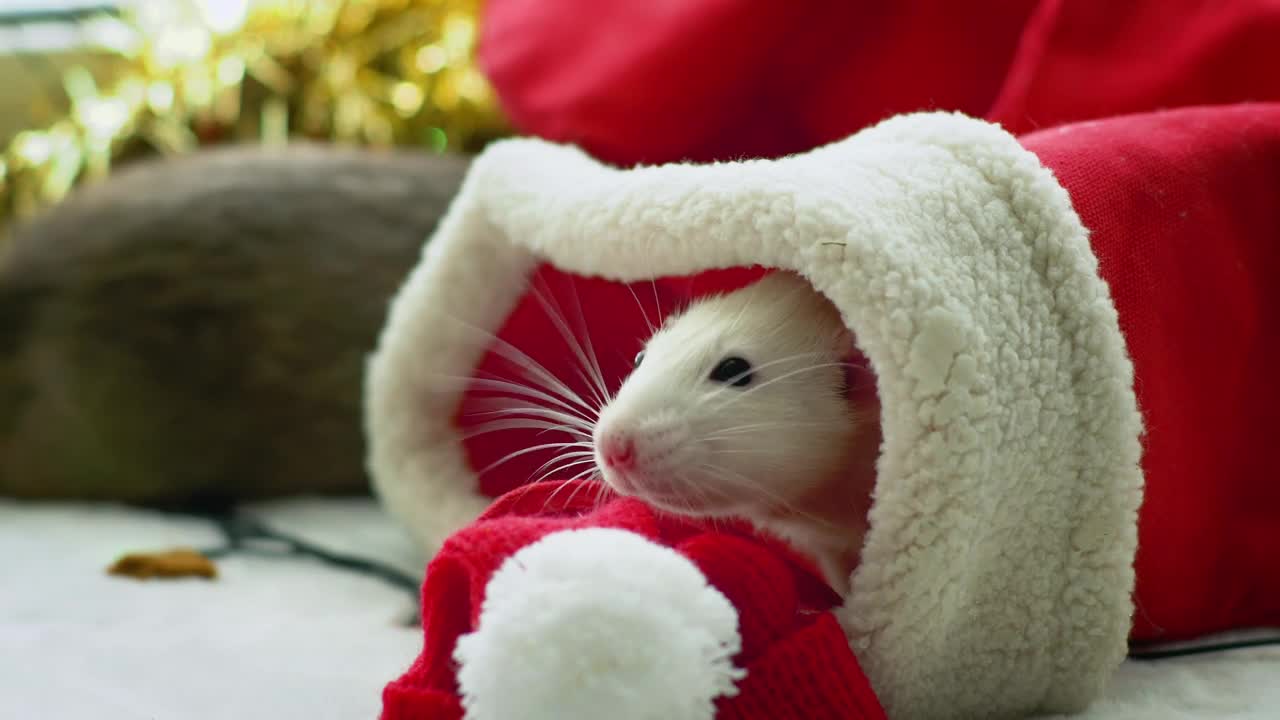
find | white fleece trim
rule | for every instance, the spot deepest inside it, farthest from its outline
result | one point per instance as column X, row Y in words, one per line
column 996, row 577
column 576, row 601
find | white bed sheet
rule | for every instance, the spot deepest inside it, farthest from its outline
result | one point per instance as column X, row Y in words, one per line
column 285, row 638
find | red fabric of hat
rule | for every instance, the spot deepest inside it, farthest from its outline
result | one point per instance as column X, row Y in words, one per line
column 1183, row 209
column 798, row 663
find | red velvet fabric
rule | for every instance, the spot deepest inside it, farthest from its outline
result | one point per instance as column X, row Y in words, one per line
column 643, row 81
column 799, row 665
column 1184, row 210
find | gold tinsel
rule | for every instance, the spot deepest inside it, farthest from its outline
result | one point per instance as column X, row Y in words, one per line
column 197, row 72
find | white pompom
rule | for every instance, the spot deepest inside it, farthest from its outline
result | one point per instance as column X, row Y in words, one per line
column 598, row 623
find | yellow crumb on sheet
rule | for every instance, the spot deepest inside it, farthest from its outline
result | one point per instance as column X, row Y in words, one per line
column 176, row 563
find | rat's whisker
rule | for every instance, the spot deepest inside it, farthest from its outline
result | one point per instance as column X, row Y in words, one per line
column 517, row 404
column 787, row 359
column 595, row 384
column 586, row 339
column 767, row 383
column 756, row 427
column 526, row 364
column 644, row 313
column 703, row 493
column 548, row 499
column 524, row 451
column 577, row 454
column 708, row 497
column 562, row 468
column 743, row 311
column 521, row 424
column 727, row 386
column 569, row 481
column 531, row 411
column 500, row 386
column 576, row 458
column 581, row 485
column 586, row 474
column 584, row 449
column 732, row 476
column 596, row 478
column 536, row 374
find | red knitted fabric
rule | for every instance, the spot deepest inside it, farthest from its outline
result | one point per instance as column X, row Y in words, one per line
column 799, row 665
column 638, row 81
column 1184, row 211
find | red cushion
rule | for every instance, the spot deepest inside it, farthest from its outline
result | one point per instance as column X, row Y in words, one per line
column 642, row 81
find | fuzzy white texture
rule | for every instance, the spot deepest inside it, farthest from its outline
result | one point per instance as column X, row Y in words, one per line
column 595, row 623
column 996, row 575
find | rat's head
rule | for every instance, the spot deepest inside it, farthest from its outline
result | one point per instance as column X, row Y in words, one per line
column 737, row 404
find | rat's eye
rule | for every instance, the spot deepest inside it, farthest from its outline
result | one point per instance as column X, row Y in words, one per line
column 639, row 358
column 733, row 370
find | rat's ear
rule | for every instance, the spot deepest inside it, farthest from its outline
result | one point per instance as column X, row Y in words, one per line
column 844, row 342
column 847, row 350
column 859, row 378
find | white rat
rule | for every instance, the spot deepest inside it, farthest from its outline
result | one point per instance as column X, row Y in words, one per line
column 740, row 406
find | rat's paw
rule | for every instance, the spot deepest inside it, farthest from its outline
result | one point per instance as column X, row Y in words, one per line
column 593, row 623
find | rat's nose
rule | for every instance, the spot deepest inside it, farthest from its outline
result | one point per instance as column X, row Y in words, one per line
column 618, row 451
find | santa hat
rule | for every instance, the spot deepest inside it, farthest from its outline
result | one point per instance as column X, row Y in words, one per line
column 997, row 575
column 563, row 603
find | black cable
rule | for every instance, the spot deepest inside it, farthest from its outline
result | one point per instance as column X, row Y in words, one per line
column 242, row 532
column 1167, row 653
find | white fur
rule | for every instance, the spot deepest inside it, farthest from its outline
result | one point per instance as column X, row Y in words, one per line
column 598, row 623
column 784, row 432
column 783, row 450
column 996, row 576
